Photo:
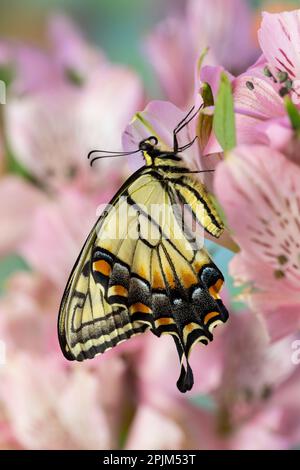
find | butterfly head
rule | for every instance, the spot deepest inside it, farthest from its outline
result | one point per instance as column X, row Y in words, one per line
column 149, row 145
column 153, row 154
column 150, row 149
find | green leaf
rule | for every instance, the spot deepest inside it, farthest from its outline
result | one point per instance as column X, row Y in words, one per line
column 201, row 59
column 293, row 113
column 224, row 119
column 7, row 74
column 205, row 121
column 207, row 95
column 74, row 77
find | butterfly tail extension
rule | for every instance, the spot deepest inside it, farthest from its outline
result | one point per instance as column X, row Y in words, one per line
column 185, row 381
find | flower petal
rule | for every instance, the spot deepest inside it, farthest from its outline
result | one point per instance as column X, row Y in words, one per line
column 70, row 49
column 279, row 38
column 18, row 201
column 261, row 202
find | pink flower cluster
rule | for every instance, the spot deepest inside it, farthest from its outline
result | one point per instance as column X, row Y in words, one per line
column 64, row 103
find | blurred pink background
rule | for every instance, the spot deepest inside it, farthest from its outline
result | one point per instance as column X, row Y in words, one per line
column 75, row 74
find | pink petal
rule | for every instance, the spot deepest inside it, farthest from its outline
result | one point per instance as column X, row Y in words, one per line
column 106, row 107
column 23, row 59
column 250, row 363
column 171, row 53
column 49, row 151
column 52, row 407
column 268, row 229
column 72, row 121
column 263, row 101
column 70, row 49
column 159, row 367
column 69, row 219
column 160, row 118
column 18, row 201
column 257, row 101
column 211, row 75
column 281, row 321
column 270, row 222
column 152, row 430
column 276, row 133
column 27, row 315
column 264, row 432
column 213, row 24
column 279, row 39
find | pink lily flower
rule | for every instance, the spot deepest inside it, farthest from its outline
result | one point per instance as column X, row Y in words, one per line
column 279, row 39
column 261, row 116
column 26, row 316
column 69, row 218
column 51, row 406
column 249, row 396
column 177, row 42
column 267, row 231
column 72, row 122
column 41, row 391
column 16, row 217
column 74, row 116
column 71, row 58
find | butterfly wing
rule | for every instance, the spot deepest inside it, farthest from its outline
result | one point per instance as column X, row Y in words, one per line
column 140, row 270
column 91, row 318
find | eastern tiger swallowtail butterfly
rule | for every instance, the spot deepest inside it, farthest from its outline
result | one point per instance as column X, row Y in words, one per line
column 134, row 274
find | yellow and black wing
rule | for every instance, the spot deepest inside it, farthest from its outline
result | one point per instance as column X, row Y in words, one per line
column 140, row 270
column 91, row 319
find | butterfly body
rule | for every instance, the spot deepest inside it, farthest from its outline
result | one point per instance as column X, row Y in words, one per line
column 141, row 268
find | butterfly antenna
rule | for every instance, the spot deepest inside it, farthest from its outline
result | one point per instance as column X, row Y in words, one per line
column 108, row 154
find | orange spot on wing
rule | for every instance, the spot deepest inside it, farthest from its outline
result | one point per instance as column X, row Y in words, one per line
column 164, row 321
column 102, row 267
column 200, row 260
column 170, row 278
column 215, row 289
column 197, row 266
column 139, row 307
column 209, row 316
column 142, row 272
column 118, row 290
column 188, row 278
column 189, row 328
column 158, row 282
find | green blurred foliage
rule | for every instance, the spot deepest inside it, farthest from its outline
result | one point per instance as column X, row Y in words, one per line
column 8, row 266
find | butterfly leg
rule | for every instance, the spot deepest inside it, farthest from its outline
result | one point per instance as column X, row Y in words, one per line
column 183, row 123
